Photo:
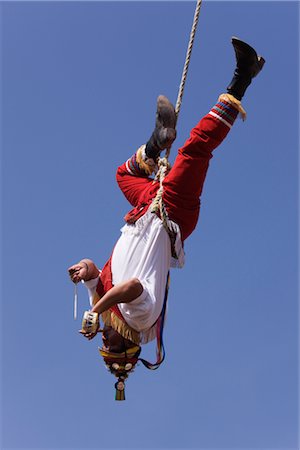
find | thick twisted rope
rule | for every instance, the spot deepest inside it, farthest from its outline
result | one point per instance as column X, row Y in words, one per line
column 188, row 57
column 163, row 164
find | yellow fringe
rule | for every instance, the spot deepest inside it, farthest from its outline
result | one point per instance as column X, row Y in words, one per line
column 235, row 103
column 147, row 165
column 112, row 320
column 96, row 298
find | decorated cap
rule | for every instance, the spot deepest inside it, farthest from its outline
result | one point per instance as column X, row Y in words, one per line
column 121, row 365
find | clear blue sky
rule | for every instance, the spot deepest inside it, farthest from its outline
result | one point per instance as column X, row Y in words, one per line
column 79, row 86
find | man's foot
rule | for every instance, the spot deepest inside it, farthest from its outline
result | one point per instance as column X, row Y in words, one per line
column 85, row 270
column 165, row 133
column 248, row 65
column 246, row 57
column 165, row 122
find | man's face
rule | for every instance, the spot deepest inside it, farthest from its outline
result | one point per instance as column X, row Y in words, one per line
column 112, row 341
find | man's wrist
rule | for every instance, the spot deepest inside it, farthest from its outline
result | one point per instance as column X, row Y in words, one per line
column 92, row 270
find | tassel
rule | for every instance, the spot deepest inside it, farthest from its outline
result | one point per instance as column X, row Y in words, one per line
column 120, row 390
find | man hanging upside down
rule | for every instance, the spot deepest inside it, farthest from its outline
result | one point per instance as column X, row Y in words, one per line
column 129, row 292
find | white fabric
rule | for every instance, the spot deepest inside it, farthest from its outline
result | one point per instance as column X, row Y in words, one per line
column 91, row 287
column 143, row 251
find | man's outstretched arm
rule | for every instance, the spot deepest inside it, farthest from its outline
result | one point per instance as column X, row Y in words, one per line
column 124, row 292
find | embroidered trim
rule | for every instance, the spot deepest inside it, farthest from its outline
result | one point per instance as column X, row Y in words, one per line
column 211, row 113
column 147, row 165
column 236, row 104
column 128, row 168
column 225, row 111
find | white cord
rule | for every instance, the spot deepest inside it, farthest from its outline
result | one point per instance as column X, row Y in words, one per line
column 75, row 301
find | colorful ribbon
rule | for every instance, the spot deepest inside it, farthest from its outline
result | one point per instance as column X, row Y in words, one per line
column 160, row 349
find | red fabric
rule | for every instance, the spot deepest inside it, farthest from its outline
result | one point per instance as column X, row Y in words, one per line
column 105, row 279
column 184, row 183
column 182, row 186
column 105, row 284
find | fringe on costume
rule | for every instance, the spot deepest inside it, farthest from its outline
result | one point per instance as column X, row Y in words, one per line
column 143, row 337
column 112, row 320
column 234, row 102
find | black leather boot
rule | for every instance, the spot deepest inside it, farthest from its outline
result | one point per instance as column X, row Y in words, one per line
column 164, row 133
column 248, row 65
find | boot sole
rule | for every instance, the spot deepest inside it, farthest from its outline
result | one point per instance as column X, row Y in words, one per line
column 166, row 115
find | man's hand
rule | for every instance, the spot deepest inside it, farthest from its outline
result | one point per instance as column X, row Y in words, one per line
column 85, row 270
column 78, row 272
column 90, row 325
